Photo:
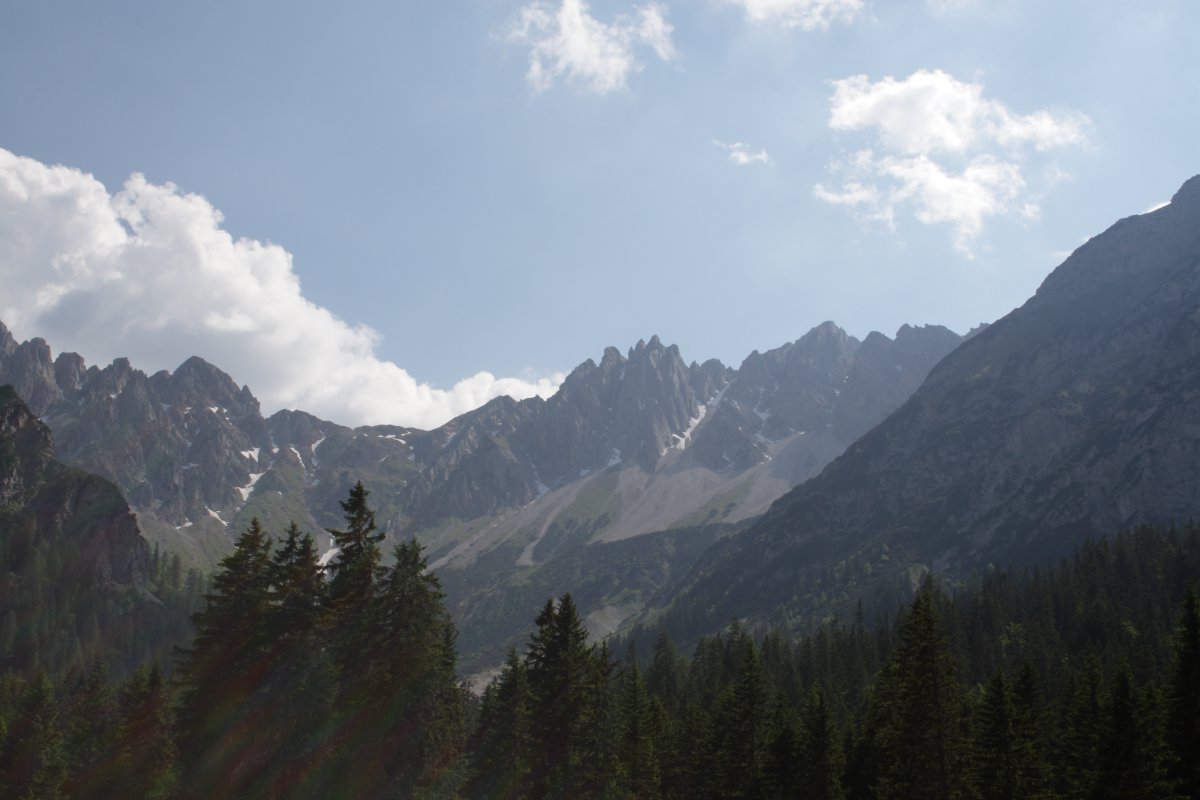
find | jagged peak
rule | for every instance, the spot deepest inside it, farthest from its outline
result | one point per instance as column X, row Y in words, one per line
column 198, row 367
column 7, row 343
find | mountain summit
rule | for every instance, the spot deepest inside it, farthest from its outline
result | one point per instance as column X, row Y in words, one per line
column 1078, row 414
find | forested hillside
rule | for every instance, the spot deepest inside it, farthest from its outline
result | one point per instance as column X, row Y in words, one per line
column 1077, row 681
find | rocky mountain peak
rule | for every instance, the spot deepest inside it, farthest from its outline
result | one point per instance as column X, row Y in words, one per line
column 7, row 343
column 27, row 448
column 1188, row 193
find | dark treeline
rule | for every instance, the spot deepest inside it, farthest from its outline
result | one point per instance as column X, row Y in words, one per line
column 57, row 617
column 1077, row 681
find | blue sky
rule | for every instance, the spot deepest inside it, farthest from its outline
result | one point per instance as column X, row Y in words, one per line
column 431, row 203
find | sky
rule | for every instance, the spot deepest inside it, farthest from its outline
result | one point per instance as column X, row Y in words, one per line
column 393, row 212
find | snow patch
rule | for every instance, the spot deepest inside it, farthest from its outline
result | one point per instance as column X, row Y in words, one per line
column 541, row 487
column 328, row 556
column 298, row 456
column 687, row 434
column 614, row 459
column 249, row 487
column 216, row 516
column 251, row 454
column 313, row 449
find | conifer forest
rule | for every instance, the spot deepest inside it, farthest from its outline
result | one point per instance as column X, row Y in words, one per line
column 1080, row 680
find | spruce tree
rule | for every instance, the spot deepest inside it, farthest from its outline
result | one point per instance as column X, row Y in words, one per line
column 994, row 763
column 91, row 738
column 742, row 728
column 32, row 757
column 501, row 747
column 299, row 684
column 1183, row 701
column 821, row 752
column 146, row 741
column 220, row 712
column 1132, row 754
column 559, row 667
column 638, row 751
column 923, row 735
column 354, row 578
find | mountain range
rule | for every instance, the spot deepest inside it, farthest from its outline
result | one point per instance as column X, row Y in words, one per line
column 819, row 479
column 1076, row 415
column 610, row 489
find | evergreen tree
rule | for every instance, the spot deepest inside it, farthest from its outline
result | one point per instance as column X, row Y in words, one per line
column 994, row 768
column 420, row 728
column 559, row 672
column 299, row 685
column 91, row 739
column 32, row 758
column 220, row 711
column 784, row 768
column 922, row 737
column 500, row 750
column 821, row 753
column 741, row 729
column 639, row 756
column 1081, row 731
column 1032, row 768
column 667, row 677
column 1183, row 717
column 1132, row 754
column 355, row 575
column 146, row 742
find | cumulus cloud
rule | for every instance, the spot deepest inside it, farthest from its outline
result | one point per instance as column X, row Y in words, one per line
column 149, row 273
column 806, row 15
column 743, row 154
column 568, row 42
column 945, row 150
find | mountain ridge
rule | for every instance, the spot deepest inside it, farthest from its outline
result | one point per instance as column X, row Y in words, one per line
column 1077, row 413
column 632, row 444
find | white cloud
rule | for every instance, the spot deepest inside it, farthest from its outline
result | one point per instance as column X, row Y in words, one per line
column 149, row 273
column 807, row 15
column 743, row 154
column 946, row 6
column 947, row 151
column 568, row 42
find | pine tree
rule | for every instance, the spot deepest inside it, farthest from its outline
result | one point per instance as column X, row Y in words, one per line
column 741, row 728
column 1032, row 768
column 298, row 688
column 91, row 739
column 639, row 756
column 559, row 667
column 1183, row 702
column 32, row 759
column 994, row 768
column 1132, row 754
column 667, row 676
column 146, row 742
column 421, row 726
column 501, row 748
column 783, row 772
column 922, row 737
column 821, row 752
column 220, row 674
column 355, row 575
column 1081, row 729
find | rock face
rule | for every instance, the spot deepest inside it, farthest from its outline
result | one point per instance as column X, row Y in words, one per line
column 64, row 504
column 75, row 582
column 638, row 443
column 1076, row 415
